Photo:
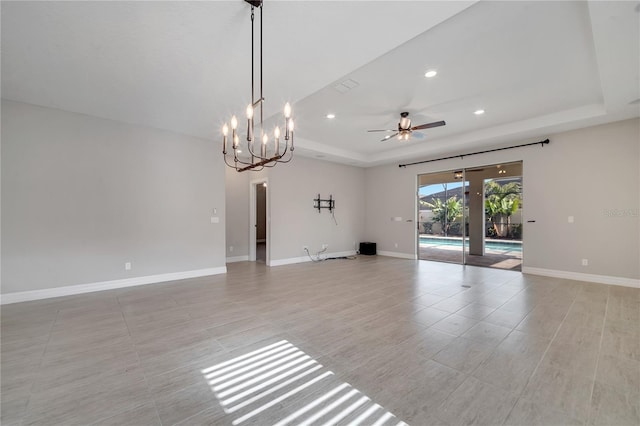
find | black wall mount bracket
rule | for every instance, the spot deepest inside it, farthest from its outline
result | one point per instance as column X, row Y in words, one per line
column 319, row 203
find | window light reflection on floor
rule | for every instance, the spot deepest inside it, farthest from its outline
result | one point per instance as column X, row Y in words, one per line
column 281, row 375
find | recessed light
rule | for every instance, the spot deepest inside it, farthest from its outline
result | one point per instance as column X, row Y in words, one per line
column 431, row 73
column 330, row 116
column 479, row 112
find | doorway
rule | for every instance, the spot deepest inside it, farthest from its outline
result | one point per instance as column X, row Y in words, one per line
column 472, row 216
column 258, row 229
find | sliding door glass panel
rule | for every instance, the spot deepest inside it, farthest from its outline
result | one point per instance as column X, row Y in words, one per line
column 495, row 216
column 441, row 222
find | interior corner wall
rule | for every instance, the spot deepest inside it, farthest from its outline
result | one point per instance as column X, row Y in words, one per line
column 294, row 222
column 592, row 174
column 83, row 195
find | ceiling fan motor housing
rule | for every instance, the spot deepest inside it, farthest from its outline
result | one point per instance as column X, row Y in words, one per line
column 405, row 122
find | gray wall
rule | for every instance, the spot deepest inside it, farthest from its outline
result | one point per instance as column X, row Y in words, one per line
column 82, row 195
column 293, row 221
column 237, row 212
column 591, row 174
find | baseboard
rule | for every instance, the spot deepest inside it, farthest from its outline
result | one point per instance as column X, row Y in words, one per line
column 302, row 259
column 25, row 296
column 395, row 254
column 237, row 259
column 578, row 276
column 289, row 261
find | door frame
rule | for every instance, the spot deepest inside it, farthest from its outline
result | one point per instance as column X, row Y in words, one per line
column 253, row 218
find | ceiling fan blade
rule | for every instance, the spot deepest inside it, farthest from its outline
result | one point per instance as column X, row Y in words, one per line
column 386, row 138
column 381, row 130
column 429, row 125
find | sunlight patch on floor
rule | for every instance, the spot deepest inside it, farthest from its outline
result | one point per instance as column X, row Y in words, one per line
column 281, row 385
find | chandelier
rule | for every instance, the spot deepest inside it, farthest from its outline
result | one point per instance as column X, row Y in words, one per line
column 269, row 154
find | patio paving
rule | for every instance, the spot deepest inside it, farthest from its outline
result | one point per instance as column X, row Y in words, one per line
column 501, row 259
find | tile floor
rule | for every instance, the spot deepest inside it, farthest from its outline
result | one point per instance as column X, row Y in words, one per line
column 390, row 340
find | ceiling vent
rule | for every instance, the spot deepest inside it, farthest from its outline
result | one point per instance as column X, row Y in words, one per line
column 346, row 85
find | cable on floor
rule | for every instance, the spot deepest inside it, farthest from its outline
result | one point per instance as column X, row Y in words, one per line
column 321, row 259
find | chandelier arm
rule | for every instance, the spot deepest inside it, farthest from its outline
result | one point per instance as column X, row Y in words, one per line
column 255, row 155
column 285, row 161
column 234, row 166
column 236, row 161
column 286, row 149
column 259, row 164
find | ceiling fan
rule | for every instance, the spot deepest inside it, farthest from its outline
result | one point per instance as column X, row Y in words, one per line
column 405, row 129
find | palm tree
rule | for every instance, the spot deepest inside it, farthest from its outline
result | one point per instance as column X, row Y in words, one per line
column 501, row 201
column 446, row 212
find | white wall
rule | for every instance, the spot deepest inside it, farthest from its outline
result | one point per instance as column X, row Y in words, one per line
column 586, row 173
column 292, row 221
column 82, row 195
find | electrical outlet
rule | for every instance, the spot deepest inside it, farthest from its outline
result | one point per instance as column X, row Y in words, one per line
column 585, row 262
column 230, row 248
column 396, row 245
column 324, row 246
column 127, row 266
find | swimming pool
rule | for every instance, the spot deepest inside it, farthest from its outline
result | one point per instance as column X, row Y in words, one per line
column 457, row 242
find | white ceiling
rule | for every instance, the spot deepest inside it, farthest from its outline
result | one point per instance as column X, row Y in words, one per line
column 535, row 67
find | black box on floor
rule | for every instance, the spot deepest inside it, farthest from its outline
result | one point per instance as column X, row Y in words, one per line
column 368, row 248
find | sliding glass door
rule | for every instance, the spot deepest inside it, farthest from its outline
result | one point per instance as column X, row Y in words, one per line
column 472, row 216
